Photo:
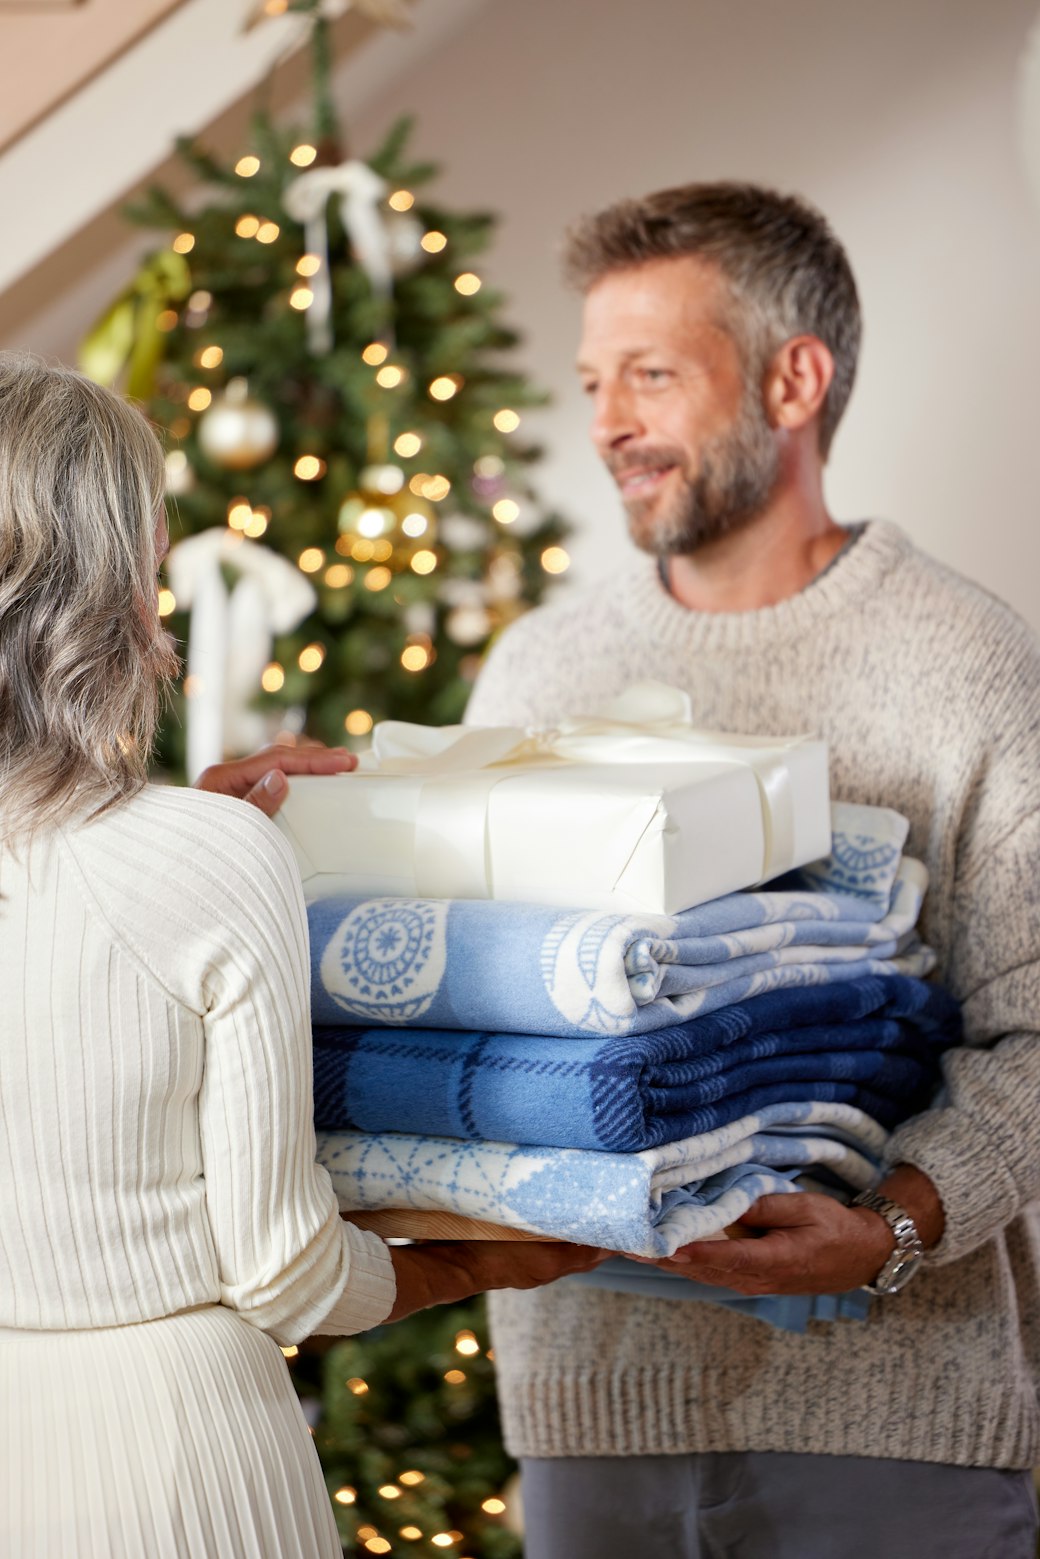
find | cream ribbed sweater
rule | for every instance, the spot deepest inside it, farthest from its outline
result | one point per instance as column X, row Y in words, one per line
column 156, row 1135
column 928, row 691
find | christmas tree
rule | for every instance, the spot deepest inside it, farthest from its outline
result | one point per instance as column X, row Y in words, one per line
column 342, row 418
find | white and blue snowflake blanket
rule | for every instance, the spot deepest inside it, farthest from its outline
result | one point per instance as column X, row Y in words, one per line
column 873, row 1042
column 483, row 965
column 643, row 1204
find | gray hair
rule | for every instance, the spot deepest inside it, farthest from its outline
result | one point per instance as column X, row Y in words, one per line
column 84, row 660
column 787, row 273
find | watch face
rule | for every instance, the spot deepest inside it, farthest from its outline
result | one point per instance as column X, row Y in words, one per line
column 898, row 1271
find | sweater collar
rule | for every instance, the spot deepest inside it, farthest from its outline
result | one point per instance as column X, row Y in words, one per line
column 855, row 574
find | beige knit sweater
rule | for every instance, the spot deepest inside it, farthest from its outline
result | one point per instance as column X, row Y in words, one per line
column 156, row 1120
column 928, row 692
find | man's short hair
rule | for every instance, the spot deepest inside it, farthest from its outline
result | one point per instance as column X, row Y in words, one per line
column 787, row 273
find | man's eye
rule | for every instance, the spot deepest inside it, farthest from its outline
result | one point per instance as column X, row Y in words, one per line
column 654, row 375
column 588, row 387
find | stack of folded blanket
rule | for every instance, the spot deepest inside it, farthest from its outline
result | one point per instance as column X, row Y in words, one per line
column 626, row 1081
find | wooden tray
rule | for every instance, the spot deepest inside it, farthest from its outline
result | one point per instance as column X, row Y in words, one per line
column 404, row 1223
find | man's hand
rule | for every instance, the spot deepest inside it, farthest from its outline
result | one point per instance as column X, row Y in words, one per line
column 261, row 779
column 809, row 1245
column 812, row 1244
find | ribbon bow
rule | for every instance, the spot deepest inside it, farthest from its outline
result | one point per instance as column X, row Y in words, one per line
column 360, row 191
column 230, row 636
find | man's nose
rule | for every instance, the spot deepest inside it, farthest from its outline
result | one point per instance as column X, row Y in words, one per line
column 614, row 417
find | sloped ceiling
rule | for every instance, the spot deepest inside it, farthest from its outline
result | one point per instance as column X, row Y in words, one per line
column 190, row 69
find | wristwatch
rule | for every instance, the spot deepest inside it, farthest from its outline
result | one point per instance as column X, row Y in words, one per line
column 909, row 1252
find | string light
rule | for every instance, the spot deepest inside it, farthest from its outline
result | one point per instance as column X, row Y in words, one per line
column 390, row 376
column 466, row 1343
column 258, row 522
column 301, row 298
column 291, row 1351
column 378, row 578
column 375, row 353
column 416, row 657
column 506, row 421
column 309, row 467
column 361, row 550
column 345, row 1496
column 184, row 243
column 210, row 357
column 489, row 467
column 338, row 576
column 467, row 284
column 167, row 602
column 193, row 686
column 411, row 1533
column 443, row 388
column 271, row 679
column 377, row 1545
column 167, row 320
column 436, row 488
column 411, row 1478
column 494, row 1507
column 303, row 155
column 382, row 551
column 267, row 232
column 424, row 562
column 455, row 1377
column 311, row 559
column 200, row 301
column 365, row 1532
column 401, row 200
column 555, row 560
column 247, row 226
column 308, row 265
column 443, row 1539
column 240, row 512
column 414, row 525
column 433, row 242
column 505, row 511
column 312, row 658
column 357, row 1385
column 246, row 166
column 407, row 444
column 358, row 723
column 275, row 7
column 200, row 398
column 389, row 1491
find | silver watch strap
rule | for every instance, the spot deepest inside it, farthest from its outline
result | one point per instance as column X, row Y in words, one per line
column 909, row 1251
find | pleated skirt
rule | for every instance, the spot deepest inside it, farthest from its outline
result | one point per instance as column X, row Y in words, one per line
column 174, row 1439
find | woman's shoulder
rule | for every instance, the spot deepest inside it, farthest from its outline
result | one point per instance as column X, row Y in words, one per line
column 186, row 864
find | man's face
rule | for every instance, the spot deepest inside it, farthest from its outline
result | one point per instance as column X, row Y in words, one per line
column 684, row 436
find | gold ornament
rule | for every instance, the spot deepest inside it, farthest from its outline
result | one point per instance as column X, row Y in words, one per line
column 238, row 432
column 383, row 521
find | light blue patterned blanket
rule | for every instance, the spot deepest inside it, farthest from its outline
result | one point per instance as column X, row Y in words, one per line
column 645, row 1204
column 483, row 965
column 873, row 1042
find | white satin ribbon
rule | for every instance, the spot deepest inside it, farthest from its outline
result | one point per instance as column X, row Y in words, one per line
column 230, row 636
column 360, row 190
column 461, row 767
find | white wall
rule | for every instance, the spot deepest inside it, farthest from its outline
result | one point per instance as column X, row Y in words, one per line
column 897, row 117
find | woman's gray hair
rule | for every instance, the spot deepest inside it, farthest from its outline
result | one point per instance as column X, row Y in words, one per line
column 84, row 660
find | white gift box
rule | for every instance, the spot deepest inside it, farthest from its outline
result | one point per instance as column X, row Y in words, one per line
column 647, row 815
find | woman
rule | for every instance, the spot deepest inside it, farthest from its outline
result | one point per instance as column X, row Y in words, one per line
column 163, row 1225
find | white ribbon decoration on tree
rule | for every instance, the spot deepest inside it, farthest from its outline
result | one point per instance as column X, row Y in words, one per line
column 360, row 191
column 230, row 636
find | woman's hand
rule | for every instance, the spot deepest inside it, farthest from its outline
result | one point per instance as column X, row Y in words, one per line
column 261, row 778
column 444, row 1273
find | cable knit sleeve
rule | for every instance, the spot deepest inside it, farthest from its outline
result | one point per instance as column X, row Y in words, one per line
column 981, row 1144
column 231, row 942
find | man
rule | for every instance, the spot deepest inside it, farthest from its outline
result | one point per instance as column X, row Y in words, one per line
column 721, row 328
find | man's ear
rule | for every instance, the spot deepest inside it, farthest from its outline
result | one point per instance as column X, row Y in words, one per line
column 797, row 381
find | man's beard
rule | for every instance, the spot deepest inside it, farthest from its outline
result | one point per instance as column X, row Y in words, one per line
column 736, row 476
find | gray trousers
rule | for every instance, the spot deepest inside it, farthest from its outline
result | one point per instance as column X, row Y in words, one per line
column 766, row 1505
